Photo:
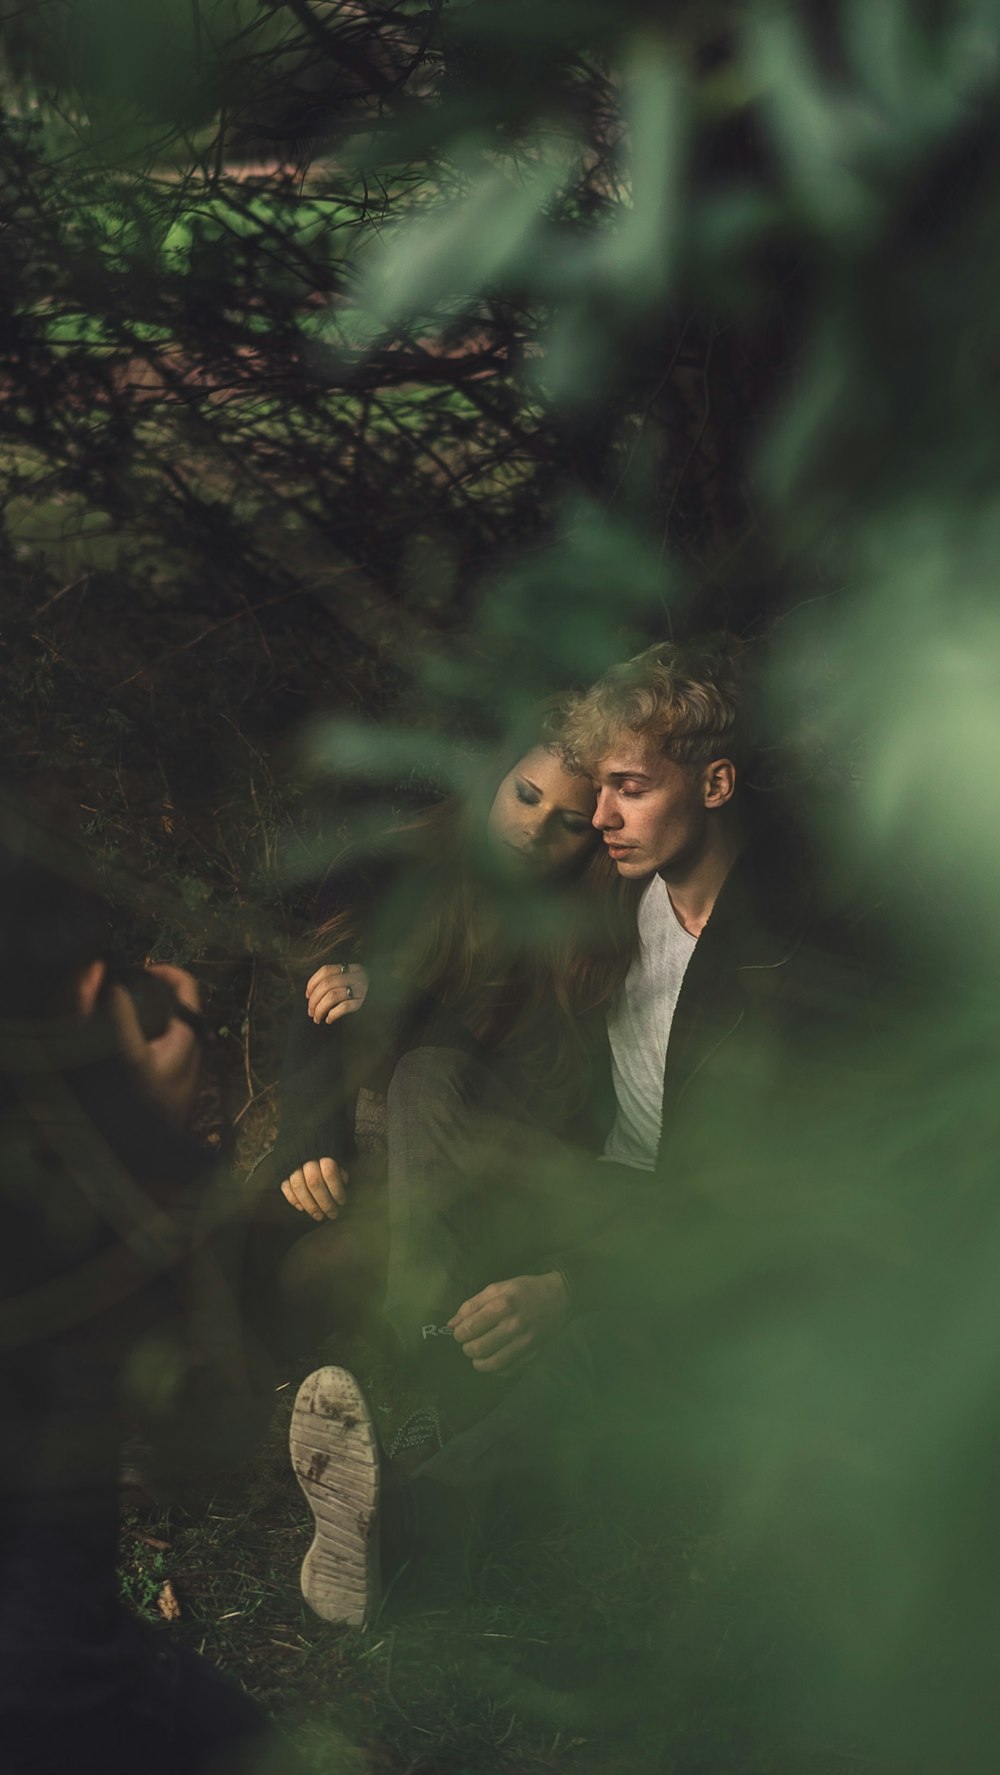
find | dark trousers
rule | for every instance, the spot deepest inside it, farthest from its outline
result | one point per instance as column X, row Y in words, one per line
column 178, row 1715
column 590, row 1391
column 479, row 1192
column 478, row 1189
column 473, row 1188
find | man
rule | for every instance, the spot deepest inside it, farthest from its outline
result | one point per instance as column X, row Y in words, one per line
column 728, row 1041
column 105, row 1267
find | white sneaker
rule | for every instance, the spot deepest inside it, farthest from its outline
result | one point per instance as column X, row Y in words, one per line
column 335, row 1456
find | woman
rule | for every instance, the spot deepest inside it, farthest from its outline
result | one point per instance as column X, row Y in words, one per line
column 487, row 932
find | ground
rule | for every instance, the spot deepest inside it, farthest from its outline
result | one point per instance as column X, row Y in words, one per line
column 566, row 1648
column 442, row 1681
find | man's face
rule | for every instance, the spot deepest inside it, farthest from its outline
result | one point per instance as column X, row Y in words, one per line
column 650, row 811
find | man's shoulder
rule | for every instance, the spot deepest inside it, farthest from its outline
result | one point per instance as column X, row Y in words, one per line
column 768, row 900
column 782, row 915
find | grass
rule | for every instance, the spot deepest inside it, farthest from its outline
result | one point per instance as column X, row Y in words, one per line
column 593, row 1644
column 451, row 1678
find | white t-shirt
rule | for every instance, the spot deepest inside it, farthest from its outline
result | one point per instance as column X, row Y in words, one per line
column 639, row 1028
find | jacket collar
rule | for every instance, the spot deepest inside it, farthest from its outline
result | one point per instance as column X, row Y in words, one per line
column 757, row 924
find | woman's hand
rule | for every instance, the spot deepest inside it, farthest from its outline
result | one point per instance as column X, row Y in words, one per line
column 165, row 1068
column 335, row 990
column 317, row 1188
column 505, row 1323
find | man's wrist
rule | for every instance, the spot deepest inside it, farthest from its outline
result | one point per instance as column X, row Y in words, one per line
column 567, row 1285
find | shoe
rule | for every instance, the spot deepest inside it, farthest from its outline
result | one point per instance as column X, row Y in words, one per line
column 336, row 1460
column 419, row 1436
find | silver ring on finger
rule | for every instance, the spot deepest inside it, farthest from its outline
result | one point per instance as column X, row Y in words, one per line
column 349, row 991
column 343, row 967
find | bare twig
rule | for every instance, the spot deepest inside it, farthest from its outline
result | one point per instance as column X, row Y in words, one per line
column 247, row 1068
column 61, row 593
column 265, row 1091
column 213, row 629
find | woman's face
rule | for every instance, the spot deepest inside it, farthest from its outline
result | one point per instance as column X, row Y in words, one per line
column 541, row 815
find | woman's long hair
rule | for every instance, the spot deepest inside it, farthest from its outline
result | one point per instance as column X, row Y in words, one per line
column 461, row 947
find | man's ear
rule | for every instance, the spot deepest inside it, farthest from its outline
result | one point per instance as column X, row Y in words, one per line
column 719, row 780
column 87, row 987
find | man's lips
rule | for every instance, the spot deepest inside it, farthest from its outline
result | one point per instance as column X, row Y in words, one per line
column 613, row 845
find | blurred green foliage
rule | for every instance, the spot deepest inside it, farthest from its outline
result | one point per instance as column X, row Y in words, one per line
column 366, row 359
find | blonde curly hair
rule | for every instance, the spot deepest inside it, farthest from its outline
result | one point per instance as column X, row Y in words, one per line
column 687, row 698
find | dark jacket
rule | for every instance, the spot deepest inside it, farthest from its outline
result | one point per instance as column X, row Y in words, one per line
column 770, row 1049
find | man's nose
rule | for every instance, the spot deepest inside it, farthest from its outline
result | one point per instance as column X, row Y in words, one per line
column 606, row 816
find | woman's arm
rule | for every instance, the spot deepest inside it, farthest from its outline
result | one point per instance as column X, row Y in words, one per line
column 317, row 1099
column 317, row 1105
column 329, row 1053
column 316, row 1185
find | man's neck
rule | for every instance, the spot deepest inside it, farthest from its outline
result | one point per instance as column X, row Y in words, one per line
column 694, row 884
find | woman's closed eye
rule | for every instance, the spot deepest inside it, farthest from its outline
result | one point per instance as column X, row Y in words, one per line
column 526, row 793
column 576, row 823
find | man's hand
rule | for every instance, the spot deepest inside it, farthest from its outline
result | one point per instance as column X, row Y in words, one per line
column 508, row 1320
column 335, row 991
column 166, row 1068
column 317, row 1188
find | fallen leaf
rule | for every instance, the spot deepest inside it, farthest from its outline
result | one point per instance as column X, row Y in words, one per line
column 167, row 1603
